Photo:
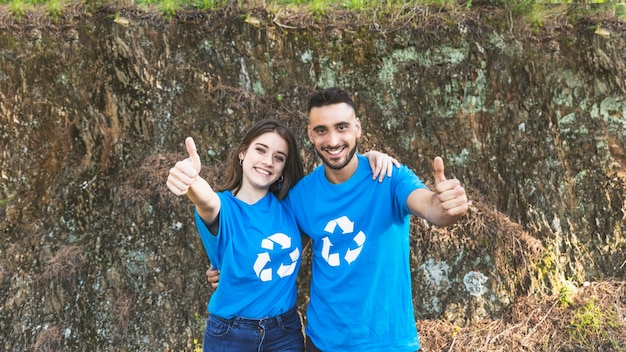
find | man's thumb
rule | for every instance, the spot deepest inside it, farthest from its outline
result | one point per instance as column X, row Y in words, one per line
column 439, row 171
column 193, row 153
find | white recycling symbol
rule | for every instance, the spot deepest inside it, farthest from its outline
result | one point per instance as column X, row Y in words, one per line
column 265, row 274
column 347, row 228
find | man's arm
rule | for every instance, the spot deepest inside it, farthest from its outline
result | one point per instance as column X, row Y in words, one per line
column 445, row 205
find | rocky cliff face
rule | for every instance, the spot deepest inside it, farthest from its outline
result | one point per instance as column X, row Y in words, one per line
column 94, row 109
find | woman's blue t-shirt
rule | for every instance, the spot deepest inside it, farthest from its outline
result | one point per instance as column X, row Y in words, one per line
column 258, row 250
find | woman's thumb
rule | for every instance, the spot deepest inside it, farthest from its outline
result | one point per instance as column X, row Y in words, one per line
column 193, row 153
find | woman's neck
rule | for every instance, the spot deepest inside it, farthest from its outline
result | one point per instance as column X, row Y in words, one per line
column 250, row 195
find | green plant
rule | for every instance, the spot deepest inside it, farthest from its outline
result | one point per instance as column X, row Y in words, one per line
column 586, row 322
column 18, row 8
column 197, row 345
column 357, row 4
column 210, row 4
column 54, row 8
column 319, row 7
column 566, row 296
column 200, row 322
column 535, row 12
column 200, row 327
column 591, row 325
column 4, row 202
column 169, row 7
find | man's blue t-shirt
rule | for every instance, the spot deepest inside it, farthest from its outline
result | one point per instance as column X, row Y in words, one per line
column 258, row 249
column 361, row 281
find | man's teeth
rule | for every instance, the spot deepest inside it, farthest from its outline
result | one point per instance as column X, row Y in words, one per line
column 334, row 151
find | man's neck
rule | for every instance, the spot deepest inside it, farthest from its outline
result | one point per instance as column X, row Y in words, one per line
column 337, row 176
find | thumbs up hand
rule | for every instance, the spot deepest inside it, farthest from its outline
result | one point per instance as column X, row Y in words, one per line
column 185, row 172
column 450, row 193
column 184, row 179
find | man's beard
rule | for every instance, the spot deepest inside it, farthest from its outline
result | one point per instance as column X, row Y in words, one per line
column 338, row 165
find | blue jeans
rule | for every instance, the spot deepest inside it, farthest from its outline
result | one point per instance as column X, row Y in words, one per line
column 281, row 334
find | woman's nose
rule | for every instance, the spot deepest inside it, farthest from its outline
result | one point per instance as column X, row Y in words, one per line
column 267, row 159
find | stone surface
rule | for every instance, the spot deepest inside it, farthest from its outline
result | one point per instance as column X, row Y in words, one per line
column 97, row 255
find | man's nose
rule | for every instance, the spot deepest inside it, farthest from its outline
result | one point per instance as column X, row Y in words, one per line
column 333, row 138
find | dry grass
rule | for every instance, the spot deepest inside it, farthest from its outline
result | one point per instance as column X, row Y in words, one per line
column 588, row 318
column 123, row 309
column 4, row 274
column 48, row 340
column 147, row 184
column 592, row 318
column 64, row 266
column 9, row 262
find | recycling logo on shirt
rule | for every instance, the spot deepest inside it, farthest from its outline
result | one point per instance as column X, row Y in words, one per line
column 347, row 228
column 277, row 239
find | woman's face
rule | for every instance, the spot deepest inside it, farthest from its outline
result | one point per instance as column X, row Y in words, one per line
column 264, row 160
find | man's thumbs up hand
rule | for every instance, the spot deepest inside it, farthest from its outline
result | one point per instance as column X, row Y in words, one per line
column 439, row 170
column 450, row 193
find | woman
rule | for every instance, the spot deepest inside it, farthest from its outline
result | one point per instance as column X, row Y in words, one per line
column 249, row 235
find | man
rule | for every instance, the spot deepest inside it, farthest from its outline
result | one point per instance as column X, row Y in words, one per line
column 361, row 298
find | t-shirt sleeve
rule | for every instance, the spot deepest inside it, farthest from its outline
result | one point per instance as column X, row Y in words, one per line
column 406, row 182
column 289, row 204
column 209, row 241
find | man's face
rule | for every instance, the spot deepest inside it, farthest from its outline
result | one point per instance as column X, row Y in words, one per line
column 333, row 130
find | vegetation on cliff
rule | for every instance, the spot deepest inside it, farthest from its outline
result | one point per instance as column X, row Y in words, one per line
column 536, row 12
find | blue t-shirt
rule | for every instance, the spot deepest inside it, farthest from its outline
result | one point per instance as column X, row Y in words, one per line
column 361, row 296
column 258, row 250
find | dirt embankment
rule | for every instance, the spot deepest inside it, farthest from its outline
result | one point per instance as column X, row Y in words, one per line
column 94, row 106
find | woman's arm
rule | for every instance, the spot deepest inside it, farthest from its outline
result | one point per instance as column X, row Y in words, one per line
column 184, row 179
column 381, row 164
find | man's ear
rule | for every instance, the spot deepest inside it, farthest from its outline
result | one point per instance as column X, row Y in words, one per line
column 358, row 127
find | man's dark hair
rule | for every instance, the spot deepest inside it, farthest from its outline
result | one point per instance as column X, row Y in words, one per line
column 329, row 96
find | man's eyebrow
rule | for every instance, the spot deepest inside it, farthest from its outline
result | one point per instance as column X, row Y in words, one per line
column 342, row 123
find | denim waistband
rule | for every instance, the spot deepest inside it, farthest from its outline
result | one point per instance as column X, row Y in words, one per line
column 265, row 322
